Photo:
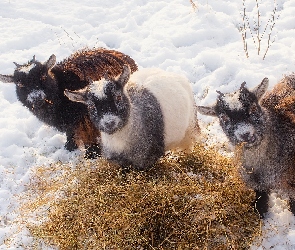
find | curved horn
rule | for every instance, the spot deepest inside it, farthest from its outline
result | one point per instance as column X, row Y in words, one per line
column 243, row 85
column 34, row 59
column 221, row 94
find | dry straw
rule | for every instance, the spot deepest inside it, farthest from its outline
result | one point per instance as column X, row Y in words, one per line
column 186, row 201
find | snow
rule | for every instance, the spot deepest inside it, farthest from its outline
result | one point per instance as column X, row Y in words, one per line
column 232, row 101
column 204, row 43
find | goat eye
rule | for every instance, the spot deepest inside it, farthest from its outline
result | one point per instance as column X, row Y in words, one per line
column 20, row 85
column 118, row 98
column 224, row 118
column 43, row 77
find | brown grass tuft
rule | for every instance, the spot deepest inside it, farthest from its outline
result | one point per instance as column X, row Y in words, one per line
column 186, row 201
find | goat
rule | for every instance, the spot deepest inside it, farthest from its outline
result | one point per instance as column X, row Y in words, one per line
column 142, row 117
column 40, row 87
column 264, row 127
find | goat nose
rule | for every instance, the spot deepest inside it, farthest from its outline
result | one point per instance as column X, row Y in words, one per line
column 248, row 137
column 245, row 136
column 110, row 124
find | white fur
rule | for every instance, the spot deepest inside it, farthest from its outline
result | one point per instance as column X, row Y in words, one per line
column 27, row 68
column 35, row 95
column 96, row 88
column 119, row 141
column 243, row 128
column 232, row 101
column 109, row 118
column 175, row 95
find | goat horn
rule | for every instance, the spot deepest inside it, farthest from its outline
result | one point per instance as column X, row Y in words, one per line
column 34, row 59
column 243, row 85
column 221, row 94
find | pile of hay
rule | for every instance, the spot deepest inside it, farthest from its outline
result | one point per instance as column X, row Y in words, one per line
column 187, row 201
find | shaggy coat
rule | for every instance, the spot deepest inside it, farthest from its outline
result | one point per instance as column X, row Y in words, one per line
column 40, row 87
column 142, row 117
column 263, row 128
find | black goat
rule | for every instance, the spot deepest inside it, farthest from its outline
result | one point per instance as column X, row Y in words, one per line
column 40, row 87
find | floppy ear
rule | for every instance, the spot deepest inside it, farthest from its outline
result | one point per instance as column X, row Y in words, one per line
column 207, row 110
column 6, row 78
column 261, row 88
column 77, row 96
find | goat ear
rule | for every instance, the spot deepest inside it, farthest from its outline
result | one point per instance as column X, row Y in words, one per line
column 6, row 78
column 77, row 96
column 261, row 88
column 17, row 65
column 50, row 62
column 125, row 75
column 207, row 110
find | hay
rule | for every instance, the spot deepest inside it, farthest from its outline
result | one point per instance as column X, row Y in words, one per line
column 186, row 201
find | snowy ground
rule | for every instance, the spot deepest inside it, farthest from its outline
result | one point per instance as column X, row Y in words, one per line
column 204, row 43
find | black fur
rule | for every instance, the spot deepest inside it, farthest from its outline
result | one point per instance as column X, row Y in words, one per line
column 266, row 137
column 115, row 103
column 52, row 108
column 129, row 114
column 231, row 118
column 261, row 203
column 40, row 87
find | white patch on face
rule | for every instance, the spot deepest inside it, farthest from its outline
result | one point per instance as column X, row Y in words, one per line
column 232, row 101
column 27, row 68
column 97, row 88
column 243, row 129
column 36, row 95
column 109, row 123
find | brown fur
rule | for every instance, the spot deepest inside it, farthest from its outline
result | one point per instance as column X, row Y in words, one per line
column 86, row 134
column 282, row 98
column 288, row 183
column 96, row 62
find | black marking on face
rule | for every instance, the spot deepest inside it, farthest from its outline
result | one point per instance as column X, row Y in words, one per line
column 241, row 117
column 109, row 110
column 34, row 85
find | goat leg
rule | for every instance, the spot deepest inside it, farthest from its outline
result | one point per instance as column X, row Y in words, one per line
column 261, row 202
column 292, row 205
column 70, row 145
